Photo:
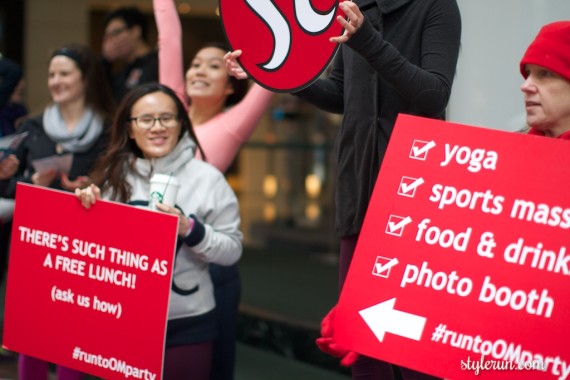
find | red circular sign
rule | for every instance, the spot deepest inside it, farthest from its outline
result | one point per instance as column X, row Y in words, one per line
column 285, row 43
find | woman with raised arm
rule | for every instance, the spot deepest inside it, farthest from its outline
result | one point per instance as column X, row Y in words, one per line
column 224, row 114
column 222, row 110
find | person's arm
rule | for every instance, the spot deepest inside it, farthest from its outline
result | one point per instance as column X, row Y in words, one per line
column 8, row 166
column 222, row 136
column 217, row 237
column 8, row 186
column 10, row 74
column 427, row 86
column 327, row 94
column 170, row 59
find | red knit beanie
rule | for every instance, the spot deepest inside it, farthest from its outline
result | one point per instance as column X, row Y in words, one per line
column 550, row 49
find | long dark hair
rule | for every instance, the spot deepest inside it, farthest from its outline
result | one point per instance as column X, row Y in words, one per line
column 111, row 169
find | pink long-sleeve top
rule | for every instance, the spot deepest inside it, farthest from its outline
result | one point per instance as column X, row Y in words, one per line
column 221, row 136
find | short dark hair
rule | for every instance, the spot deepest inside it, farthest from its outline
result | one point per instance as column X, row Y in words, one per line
column 132, row 16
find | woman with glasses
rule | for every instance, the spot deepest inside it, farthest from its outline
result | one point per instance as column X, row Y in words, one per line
column 224, row 114
column 153, row 134
column 73, row 125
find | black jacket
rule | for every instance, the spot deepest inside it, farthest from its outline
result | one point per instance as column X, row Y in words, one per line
column 10, row 74
column 38, row 145
column 402, row 60
column 142, row 70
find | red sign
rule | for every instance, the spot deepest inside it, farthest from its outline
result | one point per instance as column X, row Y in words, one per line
column 285, row 43
column 461, row 269
column 89, row 288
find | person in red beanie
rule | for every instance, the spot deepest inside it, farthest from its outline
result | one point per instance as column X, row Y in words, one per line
column 546, row 69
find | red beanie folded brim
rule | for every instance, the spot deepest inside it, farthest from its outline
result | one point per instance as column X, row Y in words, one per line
column 550, row 49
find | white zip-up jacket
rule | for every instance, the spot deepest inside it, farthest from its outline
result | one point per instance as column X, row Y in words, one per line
column 204, row 195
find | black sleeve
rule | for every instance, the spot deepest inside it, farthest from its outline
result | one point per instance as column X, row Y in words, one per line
column 8, row 186
column 327, row 94
column 10, row 74
column 427, row 86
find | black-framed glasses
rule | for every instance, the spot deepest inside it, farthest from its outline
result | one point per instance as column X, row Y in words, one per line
column 167, row 120
column 115, row 32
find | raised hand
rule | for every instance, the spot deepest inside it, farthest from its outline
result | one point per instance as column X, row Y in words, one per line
column 353, row 21
column 232, row 66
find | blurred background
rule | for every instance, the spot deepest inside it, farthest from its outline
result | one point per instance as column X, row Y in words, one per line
column 284, row 176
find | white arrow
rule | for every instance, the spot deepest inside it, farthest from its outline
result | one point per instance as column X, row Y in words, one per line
column 382, row 318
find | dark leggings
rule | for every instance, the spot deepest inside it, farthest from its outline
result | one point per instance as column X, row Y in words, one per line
column 180, row 363
column 30, row 368
column 188, row 362
column 5, row 232
column 366, row 368
column 227, row 292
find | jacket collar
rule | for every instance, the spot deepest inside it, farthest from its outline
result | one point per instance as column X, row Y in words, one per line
column 171, row 163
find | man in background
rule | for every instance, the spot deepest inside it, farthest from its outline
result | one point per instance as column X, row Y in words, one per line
column 127, row 55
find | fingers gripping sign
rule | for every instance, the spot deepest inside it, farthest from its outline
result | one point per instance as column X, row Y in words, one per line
column 184, row 224
column 351, row 23
column 88, row 195
column 293, row 39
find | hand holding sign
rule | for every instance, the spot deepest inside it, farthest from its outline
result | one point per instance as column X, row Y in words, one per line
column 88, row 269
column 327, row 343
column 293, row 39
column 352, row 22
column 88, row 196
column 465, row 238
